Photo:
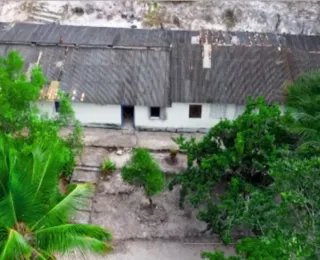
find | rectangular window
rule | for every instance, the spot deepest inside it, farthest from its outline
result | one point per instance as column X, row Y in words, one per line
column 155, row 112
column 195, row 111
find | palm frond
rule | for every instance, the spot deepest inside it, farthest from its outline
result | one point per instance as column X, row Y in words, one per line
column 65, row 237
column 63, row 210
column 46, row 167
column 310, row 144
column 4, row 166
column 303, row 116
column 305, row 132
column 15, row 247
column 16, row 200
column 8, row 216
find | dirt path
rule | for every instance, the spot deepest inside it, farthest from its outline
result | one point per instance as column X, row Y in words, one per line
column 154, row 250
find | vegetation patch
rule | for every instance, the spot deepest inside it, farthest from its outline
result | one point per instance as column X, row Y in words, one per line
column 143, row 171
column 152, row 18
column 35, row 221
column 172, row 158
column 107, row 167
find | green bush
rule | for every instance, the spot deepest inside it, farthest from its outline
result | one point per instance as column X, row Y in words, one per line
column 144, row 171
column 107, row 167
column 218, row 255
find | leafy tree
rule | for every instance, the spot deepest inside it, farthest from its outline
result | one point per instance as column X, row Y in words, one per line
column 275, row 248
column 291, row 224
column 236, row 155
column 298, row 181
column 303, row 103
column 144, row 171
column 16, row 93
column 270, row 188
column 34, row 215
column 21, row 118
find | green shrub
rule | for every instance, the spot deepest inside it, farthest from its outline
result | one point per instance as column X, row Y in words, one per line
column 144, row 171
column 107, row 167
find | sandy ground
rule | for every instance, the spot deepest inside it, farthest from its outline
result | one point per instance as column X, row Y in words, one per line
column 167, row 233
column 291, row 16
column 154, row 250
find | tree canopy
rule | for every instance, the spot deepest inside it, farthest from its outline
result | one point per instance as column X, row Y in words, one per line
column 144, row 171
column 259, row 173
column 235, row 155
column 35, row 217
column 303, row 104
column 19, row 115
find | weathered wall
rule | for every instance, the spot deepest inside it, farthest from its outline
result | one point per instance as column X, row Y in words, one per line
column 177, row 117
column 92, row 114
column 46, row 107
column 89, row 114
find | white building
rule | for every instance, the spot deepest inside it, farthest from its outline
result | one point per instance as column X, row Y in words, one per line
column 158, row 79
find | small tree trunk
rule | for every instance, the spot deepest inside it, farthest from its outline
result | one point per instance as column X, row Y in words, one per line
column 63, row 185
column 151, row 205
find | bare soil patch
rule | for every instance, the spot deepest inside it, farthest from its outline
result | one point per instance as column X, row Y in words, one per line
column 124, row 210
column 153, row 250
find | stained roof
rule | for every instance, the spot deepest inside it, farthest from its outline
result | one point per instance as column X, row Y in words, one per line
column 117, row 76
column 236, row 72
column 51, row 60
column 157, row 67
column 85, row 35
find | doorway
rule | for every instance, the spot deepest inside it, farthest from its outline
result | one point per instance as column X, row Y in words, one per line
column 127, row 117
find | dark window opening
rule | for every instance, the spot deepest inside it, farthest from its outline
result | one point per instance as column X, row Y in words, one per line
column 57, row 106
column 154, row 111
column 195, row 111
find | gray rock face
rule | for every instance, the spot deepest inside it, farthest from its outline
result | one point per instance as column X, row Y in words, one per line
column 78, row 10
column 89, row 9
column 260, row 16
column 293, row 16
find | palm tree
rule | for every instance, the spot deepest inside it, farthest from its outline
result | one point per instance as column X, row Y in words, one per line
column 303, row 103
column 34, row 215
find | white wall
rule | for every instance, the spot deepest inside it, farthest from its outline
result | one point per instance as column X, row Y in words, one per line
column 46, row 107
column 88, row 114
column 97, row 114
column 177, row 116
